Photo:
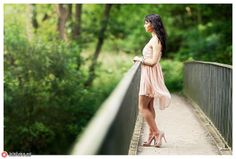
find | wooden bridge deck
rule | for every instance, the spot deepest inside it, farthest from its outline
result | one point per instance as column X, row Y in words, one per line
column 186, row 133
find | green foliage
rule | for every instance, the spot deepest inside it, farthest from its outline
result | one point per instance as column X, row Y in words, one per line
column 46, row 17
column 173, row 74
column 111, row 72
column 199, row 31
column 91, row 18
column 126, row 27
column 42, row 86
column 45, row 103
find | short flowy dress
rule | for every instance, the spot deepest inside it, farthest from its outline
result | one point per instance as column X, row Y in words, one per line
column 152, row 81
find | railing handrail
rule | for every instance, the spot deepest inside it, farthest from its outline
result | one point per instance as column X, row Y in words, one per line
column 92, row 138
column 211, row 63
column 209, row 85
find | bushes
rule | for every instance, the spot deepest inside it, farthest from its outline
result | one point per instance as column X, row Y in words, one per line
column 45, row 103
column 42, row 84
column 173, row 74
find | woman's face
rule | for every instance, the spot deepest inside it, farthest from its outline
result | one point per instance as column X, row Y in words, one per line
column 148, row 26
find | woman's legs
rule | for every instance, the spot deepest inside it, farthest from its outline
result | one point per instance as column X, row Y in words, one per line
column 148, row 113
column 151, row 108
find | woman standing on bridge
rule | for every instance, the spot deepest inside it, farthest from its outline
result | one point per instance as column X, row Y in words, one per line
column 152, row 86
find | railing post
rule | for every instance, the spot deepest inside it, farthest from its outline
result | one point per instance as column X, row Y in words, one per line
column 209, row 85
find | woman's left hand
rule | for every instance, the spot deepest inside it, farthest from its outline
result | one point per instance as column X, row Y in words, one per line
column 136, row 58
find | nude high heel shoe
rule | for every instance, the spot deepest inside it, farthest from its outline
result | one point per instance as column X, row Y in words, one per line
column 150, row 137
column 148, row 143
column 159, row 139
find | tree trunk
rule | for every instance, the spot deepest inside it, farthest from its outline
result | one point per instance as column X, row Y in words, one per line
column 62, row 16
column 34, row 21
column 199, row 14
column 46, row 15
column 99, row 44
column 77, row 24
column 70, row 6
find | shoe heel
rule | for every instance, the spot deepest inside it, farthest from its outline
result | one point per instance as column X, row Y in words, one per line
column 148, row 143
column 164, row 138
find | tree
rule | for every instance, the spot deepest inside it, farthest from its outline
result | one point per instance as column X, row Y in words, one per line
column 62, row 17
column 77, row 24
column 99, row 44
column 34, row 17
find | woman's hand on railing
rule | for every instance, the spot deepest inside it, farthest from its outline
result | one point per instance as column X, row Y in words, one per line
column 136, row 58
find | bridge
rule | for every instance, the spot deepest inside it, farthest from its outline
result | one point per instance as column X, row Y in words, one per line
column 199, row 122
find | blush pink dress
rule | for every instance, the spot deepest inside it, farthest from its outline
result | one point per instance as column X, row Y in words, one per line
column 152, row 81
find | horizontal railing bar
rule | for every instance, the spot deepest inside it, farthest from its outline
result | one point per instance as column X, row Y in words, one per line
column 93, row 136
column 209, row 85
column 211, row 63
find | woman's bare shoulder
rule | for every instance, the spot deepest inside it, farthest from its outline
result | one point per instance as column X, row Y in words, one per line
column 155, row 41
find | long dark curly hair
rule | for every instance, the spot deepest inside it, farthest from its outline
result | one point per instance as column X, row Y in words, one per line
column 158, row 27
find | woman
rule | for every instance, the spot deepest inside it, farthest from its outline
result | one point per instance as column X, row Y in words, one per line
column 152, row 87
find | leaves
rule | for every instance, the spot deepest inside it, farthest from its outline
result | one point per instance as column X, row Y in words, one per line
column 45, row 103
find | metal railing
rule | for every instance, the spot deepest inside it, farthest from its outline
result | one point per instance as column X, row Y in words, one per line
column 110, row 130
column 209, row 84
